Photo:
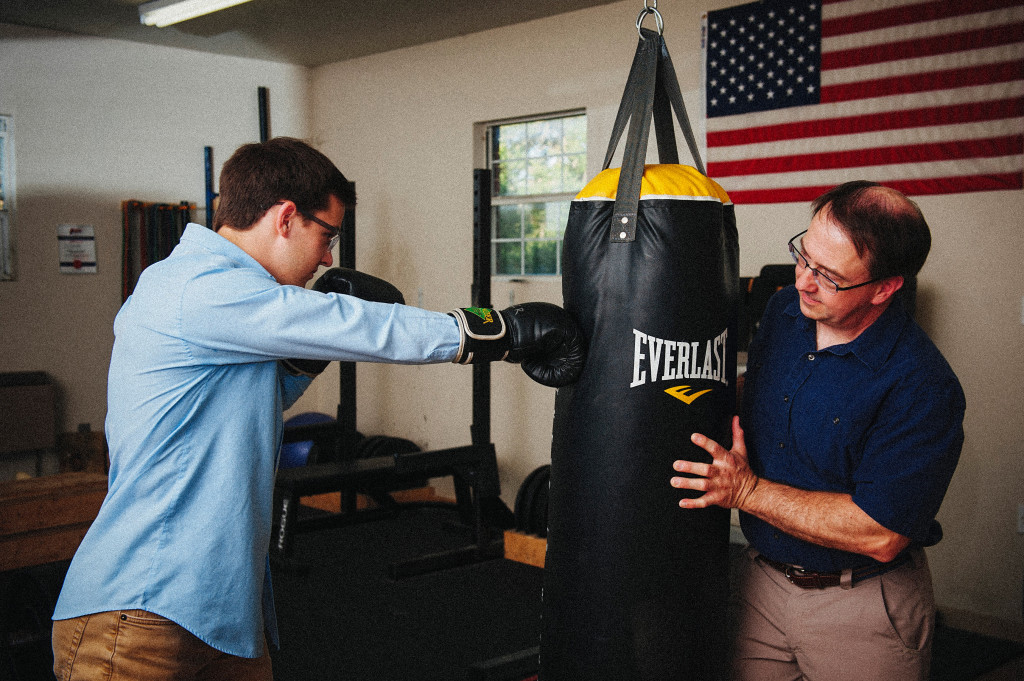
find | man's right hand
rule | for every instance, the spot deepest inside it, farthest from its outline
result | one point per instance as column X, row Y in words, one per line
column 727, row 481
column 541, row 337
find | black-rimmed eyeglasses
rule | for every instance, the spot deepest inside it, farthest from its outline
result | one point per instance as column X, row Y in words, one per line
column 335, row 231
column 823, row 281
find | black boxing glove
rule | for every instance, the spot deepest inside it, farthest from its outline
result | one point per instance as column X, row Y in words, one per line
column 358, row 284
column 351, row 283
column 541, row 337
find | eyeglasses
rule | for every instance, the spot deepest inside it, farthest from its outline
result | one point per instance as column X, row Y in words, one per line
column 335, row 231
column 823, row 281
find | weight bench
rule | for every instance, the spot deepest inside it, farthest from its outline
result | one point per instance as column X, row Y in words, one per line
column 475, row 474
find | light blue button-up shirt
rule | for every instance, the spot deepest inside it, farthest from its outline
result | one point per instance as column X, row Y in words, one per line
column 195, row 402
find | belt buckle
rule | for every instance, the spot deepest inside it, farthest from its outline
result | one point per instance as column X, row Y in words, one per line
column 794, row 572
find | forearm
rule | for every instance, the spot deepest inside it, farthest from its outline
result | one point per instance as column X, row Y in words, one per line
column 828, row 519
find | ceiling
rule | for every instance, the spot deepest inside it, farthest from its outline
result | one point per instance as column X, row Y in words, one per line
column 305, row 32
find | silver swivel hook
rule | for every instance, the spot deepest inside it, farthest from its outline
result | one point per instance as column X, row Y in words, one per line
column 650, row 9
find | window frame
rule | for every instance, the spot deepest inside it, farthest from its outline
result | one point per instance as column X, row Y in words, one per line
column 526, row 201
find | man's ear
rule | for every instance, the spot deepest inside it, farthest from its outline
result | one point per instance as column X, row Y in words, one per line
column 283, row 218
column 887, row 289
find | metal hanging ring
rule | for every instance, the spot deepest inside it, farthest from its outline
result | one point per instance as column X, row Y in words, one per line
column 657, row 19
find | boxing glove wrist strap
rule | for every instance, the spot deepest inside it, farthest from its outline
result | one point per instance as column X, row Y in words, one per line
column 484, row 336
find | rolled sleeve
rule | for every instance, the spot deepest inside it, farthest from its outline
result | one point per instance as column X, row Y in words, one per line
column 909, row 456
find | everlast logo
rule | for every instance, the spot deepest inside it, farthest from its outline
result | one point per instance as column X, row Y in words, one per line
column 659, row 359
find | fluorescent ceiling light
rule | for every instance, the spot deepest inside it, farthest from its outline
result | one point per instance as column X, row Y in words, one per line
column 162, row 13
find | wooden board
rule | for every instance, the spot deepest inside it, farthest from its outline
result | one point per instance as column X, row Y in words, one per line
column 331, row 501
column 525, row 548
column 43, row 520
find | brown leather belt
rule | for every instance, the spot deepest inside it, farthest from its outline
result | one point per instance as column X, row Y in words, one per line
column 809, row 579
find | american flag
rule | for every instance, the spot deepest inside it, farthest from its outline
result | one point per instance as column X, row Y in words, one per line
column 926, row 96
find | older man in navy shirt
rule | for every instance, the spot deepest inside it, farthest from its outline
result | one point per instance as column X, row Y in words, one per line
column 854, row 425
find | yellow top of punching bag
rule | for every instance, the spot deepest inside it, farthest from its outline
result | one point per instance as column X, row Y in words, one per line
column 662, row 181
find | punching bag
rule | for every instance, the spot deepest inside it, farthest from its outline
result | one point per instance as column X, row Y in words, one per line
column 634, row 586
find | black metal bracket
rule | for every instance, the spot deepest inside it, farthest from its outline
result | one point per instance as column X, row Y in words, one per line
column 473, row 468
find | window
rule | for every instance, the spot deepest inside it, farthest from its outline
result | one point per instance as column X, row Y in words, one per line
column 6, row 198
column 537, row 167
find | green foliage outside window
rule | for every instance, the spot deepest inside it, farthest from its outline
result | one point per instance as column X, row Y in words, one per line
column 537, row 167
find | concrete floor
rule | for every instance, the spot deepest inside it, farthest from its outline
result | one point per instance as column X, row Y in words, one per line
column 1013, row 671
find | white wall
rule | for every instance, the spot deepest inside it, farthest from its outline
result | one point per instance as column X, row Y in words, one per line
column 400, row 124
column 96, row 122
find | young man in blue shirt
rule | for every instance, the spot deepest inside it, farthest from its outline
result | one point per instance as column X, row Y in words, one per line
column 852, row 425
column 172, row 580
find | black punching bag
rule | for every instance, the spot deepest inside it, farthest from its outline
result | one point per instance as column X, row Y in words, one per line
column 634, row 586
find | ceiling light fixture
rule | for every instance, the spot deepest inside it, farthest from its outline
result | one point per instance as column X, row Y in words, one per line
column 161, row 13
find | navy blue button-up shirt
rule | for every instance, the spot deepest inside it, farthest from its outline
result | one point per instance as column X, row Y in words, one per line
column 879, row 418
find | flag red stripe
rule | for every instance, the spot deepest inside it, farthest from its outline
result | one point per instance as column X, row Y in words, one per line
column 888, row 120
column 876, row 156
column 1003, row 72
column 935, row 185
column 901, row 16
column 923, row 47
column 959, row 185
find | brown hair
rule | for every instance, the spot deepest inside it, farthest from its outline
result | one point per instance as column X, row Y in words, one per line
column 283, row 168
column 882, row 223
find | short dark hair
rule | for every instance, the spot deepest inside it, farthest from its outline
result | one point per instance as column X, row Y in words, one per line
column 882, row 223
column 283, row 168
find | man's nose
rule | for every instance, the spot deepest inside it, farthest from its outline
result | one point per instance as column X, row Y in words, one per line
column 805, row 278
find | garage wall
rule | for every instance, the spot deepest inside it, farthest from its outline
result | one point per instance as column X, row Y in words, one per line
column 96, row 122
column 401, row 125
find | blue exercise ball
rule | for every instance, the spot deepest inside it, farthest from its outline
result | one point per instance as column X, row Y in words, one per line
column 295, row 454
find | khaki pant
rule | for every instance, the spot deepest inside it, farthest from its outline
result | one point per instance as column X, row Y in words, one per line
column 135, row 645
column 879, row 630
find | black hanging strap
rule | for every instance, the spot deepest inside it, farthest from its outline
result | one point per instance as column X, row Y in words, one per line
column 652, row 90
column 664, row 131
column 668, row 81
column 640, row 68
column 639, row 98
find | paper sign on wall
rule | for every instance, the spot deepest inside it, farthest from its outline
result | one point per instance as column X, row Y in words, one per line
column 77, row 249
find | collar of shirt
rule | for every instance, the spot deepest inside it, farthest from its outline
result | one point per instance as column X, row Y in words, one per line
column 197, row 236
column 874, row 345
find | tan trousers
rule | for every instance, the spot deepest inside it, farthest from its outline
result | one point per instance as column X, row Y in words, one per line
column 879, row 630
column 135, row 645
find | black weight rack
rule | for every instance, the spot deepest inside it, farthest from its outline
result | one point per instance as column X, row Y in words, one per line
column 473, row 468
